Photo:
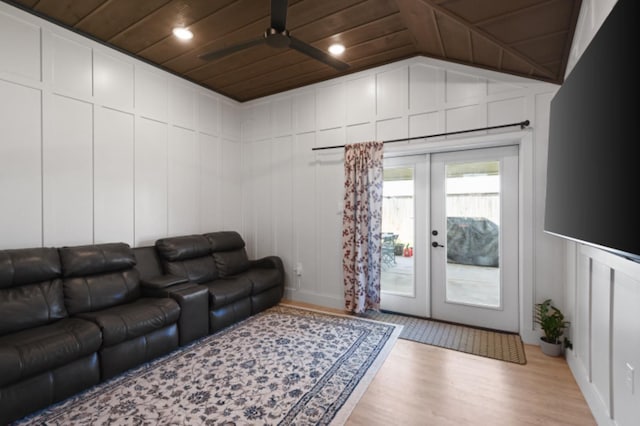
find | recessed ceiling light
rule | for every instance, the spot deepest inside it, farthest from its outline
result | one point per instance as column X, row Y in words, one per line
column 336, row 49
column 182, row 33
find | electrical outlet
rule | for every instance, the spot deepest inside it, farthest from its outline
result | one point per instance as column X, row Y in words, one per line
column 629, row 377
column 298, row 269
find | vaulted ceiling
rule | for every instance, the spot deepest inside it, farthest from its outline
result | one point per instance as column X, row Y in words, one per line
column 529, row 38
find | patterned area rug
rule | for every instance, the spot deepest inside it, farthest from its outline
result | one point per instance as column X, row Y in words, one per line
column 490, row 344
column 283, row 366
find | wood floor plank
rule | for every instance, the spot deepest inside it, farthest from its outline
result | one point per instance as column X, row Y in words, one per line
column 426, row 385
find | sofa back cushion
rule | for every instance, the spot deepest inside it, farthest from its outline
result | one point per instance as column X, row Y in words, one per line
column 187, row 256
column 30, row 289
column 28, row 266
column 229, row 252
column 98, row 276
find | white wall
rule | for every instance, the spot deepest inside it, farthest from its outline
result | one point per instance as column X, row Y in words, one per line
column 96, row 146
column 292, row 196
column 602, row 299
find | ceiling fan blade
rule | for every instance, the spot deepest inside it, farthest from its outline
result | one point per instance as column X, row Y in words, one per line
column 318, row 54
column 279, row 14
column 217, row 54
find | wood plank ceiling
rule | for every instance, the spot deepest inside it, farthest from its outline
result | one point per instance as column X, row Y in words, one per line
column 529, row 38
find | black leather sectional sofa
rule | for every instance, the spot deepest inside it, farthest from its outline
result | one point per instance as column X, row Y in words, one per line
column 72, row 317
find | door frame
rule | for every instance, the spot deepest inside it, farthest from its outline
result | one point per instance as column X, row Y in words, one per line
column 524, row 138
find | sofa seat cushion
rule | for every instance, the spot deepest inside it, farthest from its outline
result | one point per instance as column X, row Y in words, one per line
column 226, row 291
column 131, row 320
column 30, row 352
column 263, row 279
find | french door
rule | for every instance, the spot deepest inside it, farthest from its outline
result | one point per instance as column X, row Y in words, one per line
column 452, row 219
column 405, row 256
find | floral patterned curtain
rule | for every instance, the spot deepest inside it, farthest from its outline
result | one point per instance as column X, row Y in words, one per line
column 362, row 226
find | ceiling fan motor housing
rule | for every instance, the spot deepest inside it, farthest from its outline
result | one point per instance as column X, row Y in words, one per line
column 277, row 39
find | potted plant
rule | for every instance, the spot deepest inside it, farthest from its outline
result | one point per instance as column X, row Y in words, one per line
column 553, row 324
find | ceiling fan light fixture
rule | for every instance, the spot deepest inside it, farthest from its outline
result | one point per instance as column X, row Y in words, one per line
column 336, row 49
column 182, row 33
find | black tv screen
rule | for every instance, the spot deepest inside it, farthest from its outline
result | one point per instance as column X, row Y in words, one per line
column 593, row 169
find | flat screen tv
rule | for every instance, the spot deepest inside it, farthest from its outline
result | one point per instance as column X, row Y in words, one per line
column 593, row 169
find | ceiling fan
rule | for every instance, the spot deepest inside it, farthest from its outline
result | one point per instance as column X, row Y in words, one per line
column 278, row 36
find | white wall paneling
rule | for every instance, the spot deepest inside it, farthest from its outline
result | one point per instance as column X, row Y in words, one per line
column 304, row 111
column 330, row 106
column 20, row 166
column 151, row 181
column 210, row 176
column 256, row 123
column 552, row 250
column 182, row 104
column 282, row 116
column 430, row 123
column 606, row 335
column 464, row 87
column 427, row 88
column 394, row 128
column 71, row 67
column 100, row 147
column 151, row 93
column 113, row 176
column 20, row 47
column 184, row 182
column 330, row 205
column 392, row 93
column 361, row 132
column 231, row 184
column 600, row 332
column 261, row 195
column 231, row 121
column 209, row 117
column 331, row 137
column 465, row 118
column 626, row 347
column 67, row 171
column 361, row 100
column 113, row 81
column 305, row 212
column 505, row 111
column 282, row 203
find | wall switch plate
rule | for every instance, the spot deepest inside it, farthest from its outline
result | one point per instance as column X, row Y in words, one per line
column 629, row 377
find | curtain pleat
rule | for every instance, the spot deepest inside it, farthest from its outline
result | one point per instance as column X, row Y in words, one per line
column 362, row 225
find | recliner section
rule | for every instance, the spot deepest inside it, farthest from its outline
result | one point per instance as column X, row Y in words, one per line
column 72, row 317
column 102, row 286
column 238, row 287
column 45, row 356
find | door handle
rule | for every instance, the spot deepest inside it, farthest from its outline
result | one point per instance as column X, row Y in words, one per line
column 436, row 244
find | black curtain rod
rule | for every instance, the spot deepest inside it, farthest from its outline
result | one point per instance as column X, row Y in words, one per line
column 522, row 125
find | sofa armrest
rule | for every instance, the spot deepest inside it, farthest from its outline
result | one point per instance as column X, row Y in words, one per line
column 194, row 307
column 161, row 281
column 269, row 262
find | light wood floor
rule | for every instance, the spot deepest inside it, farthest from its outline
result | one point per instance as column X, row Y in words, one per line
column 425, row 385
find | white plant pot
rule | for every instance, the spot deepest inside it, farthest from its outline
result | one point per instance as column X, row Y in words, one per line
column 550, row 349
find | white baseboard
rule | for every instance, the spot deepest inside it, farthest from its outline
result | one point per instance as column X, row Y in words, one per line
column 313, row 298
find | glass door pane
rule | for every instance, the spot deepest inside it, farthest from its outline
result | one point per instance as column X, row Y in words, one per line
column 398, row 211
column 473, row 233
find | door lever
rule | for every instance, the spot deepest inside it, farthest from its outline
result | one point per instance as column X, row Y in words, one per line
column 436, row 244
